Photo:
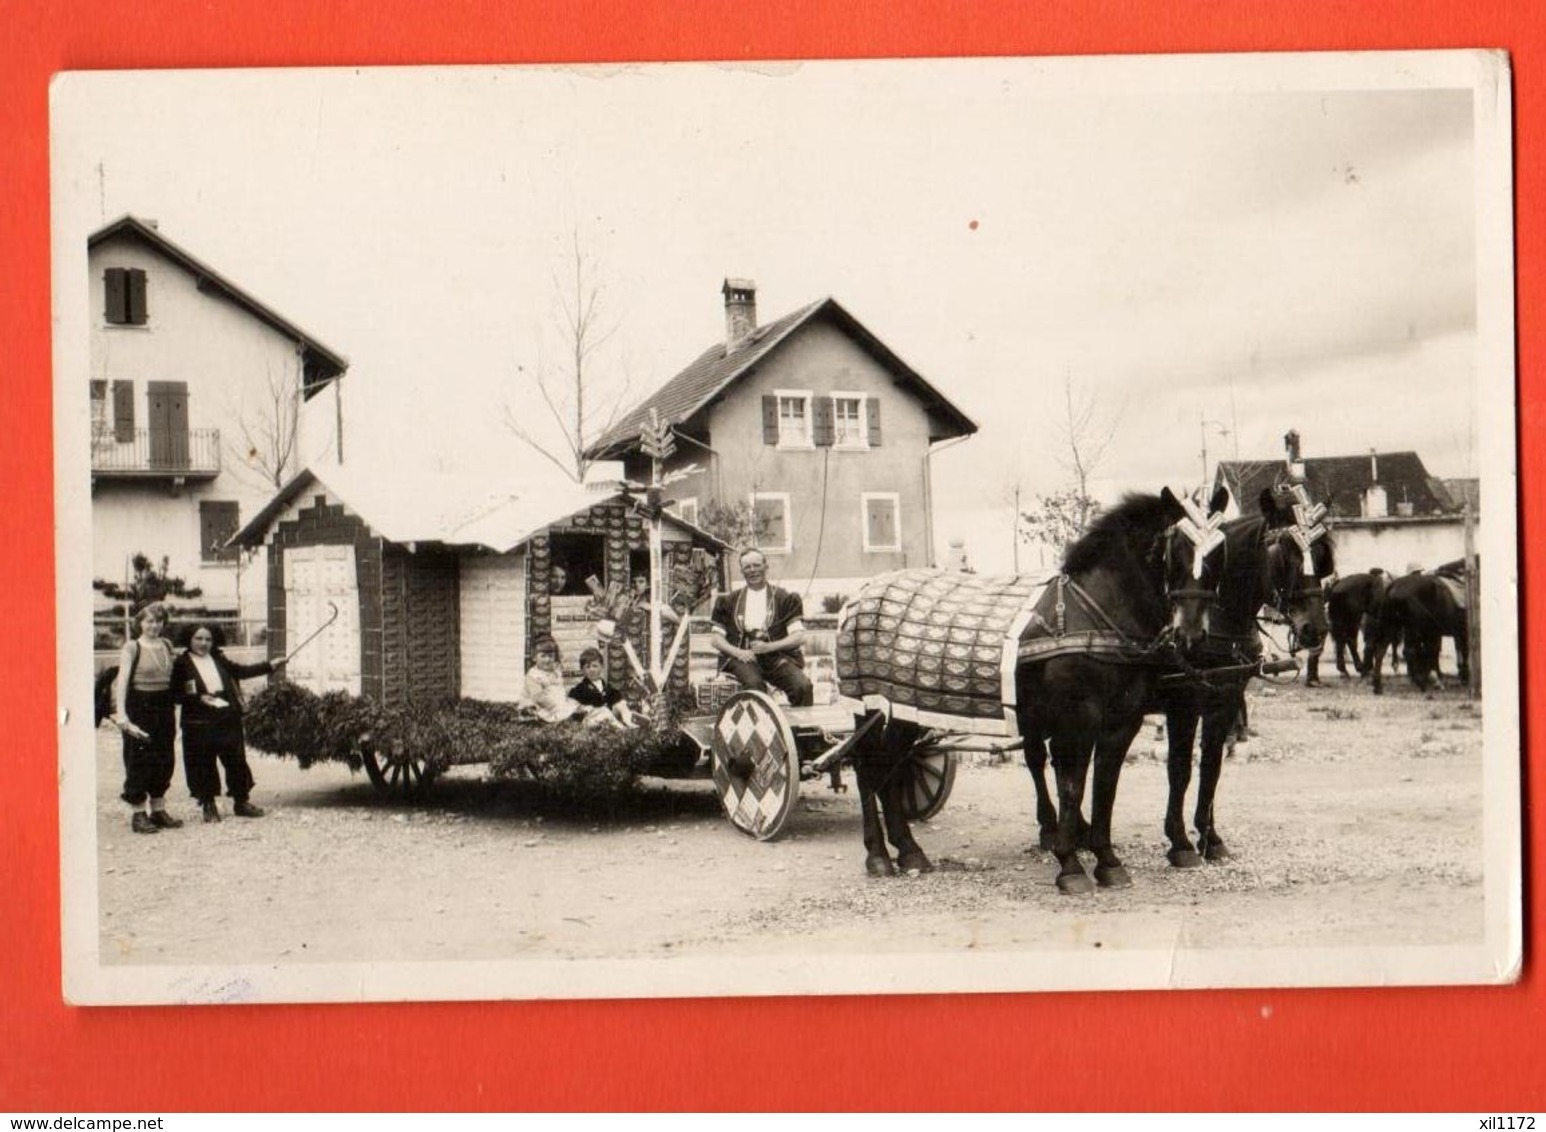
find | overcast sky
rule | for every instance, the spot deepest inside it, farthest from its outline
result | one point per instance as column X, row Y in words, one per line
column 1235, row 241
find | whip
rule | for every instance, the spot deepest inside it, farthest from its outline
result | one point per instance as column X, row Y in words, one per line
column 314, row 635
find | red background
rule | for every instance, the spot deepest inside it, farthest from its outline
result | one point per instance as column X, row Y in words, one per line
column 1469, row 1049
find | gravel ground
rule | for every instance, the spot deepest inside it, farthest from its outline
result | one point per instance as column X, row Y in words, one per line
column 1355, row 821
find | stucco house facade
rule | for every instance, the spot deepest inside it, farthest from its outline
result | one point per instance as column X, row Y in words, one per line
column 195, row 385
column 819, row 427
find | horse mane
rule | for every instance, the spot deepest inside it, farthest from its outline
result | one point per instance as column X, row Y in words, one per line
column 1112, row 534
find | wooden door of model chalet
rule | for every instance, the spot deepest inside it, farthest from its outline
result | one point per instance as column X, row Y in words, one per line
column 319, row 579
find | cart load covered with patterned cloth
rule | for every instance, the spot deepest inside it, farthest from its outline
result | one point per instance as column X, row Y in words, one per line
column 941, row 648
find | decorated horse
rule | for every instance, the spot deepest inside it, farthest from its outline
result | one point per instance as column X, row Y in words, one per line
column 1421, row 610
column 1274, row 559
column 1072, row 664
column 1350, row 602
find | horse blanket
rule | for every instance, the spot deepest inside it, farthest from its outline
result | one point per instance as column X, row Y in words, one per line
column 940, row 648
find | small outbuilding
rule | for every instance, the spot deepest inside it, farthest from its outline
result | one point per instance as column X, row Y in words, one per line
column 439, row 589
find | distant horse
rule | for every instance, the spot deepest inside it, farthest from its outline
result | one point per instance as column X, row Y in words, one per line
column 1350, row 602
column 1084, row 673
column 1256, row 565
column 1421, row 610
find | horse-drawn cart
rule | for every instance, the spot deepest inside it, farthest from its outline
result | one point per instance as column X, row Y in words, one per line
column 759, row 750
column 935, row 649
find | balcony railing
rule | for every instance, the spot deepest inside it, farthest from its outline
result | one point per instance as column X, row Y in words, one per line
column 192, row 453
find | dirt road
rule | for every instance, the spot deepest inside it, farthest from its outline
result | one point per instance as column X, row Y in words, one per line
column 1355, row 821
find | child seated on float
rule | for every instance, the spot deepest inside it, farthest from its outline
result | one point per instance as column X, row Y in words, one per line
column 545, row 693
column 595, row 694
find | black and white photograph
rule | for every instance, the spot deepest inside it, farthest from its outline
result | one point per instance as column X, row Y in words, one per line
column 841, row 527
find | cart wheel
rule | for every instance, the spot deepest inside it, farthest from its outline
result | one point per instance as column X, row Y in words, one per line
column 756, row 765
column 404, row 777
column 928, row 775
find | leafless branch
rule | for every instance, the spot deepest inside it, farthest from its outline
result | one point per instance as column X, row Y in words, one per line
column 570, row 391
column 269, row 432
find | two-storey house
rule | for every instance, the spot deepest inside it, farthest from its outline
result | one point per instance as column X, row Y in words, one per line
column 203, row 398
column 818, row 427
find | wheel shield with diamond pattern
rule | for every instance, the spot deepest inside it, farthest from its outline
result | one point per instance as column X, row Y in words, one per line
column 756, row 765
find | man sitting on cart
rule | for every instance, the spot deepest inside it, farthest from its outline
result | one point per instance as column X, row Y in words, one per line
column 758, row 633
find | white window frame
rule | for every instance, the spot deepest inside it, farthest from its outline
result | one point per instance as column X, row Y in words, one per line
column 687, row 509
column 783, row 497
column 861, row 443
column 864, row 520
column 806, row 396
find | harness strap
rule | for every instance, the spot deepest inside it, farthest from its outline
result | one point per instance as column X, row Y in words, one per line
column 1092, row 607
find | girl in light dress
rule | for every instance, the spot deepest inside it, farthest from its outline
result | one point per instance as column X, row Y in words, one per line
column 547, row 692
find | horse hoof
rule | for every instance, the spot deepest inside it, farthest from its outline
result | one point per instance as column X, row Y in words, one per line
column 879, row 867
column 1216, row 852
column 1184, row 858
column 915, row 862
column 1075, row 884
column 1115, row 876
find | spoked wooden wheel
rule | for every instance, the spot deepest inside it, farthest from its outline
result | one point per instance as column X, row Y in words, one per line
column 402, row 776
column 928, row 774
column 756, row 766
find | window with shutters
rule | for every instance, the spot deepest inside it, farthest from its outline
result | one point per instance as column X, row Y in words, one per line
column 218, row 521
column 773, row 521
column 688, row 509
column 123, row 412
column 794, row 418
column 124, row 288
column 882, row 521
column 849, row 429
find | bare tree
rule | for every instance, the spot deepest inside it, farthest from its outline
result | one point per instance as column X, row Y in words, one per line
column 269, row 428
column 1084, row 434
column 573, row 391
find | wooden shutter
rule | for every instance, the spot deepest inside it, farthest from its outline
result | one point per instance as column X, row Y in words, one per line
column 218, row 520
column 872, row 414
column 115, row 284
column 123, row 412
column 823, row 432
column 136, row 307
column 769, row 419
column 167, row 421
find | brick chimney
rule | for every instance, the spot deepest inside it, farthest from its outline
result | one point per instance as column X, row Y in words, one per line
column 740, row 311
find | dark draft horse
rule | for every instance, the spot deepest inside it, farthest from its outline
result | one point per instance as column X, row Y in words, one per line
column 1086, row 709
column 1421, row 610
column 1350, row 603
column 1259, row 564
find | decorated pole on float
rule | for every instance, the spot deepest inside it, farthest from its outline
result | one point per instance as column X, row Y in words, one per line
column 656, row 441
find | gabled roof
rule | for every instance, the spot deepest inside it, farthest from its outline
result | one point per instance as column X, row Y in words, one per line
column 446, row 509
column 1340, row 482
column 714, row 370
column 209, row 279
